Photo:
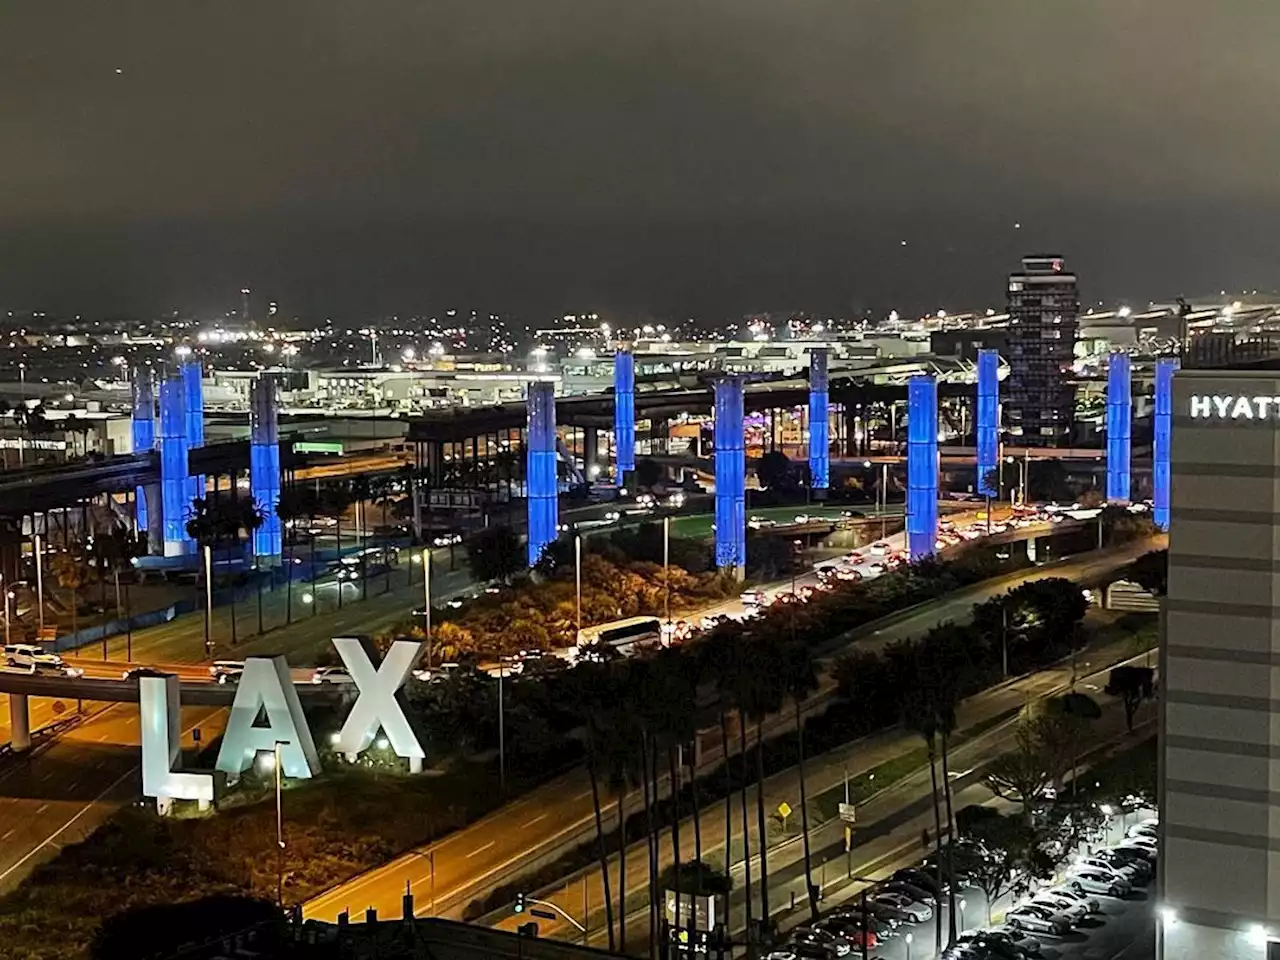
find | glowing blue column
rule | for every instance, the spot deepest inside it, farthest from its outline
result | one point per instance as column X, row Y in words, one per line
column 193, row 390
column 731, row 477
column 175, row 483
column 1119, row 427
column 264, row 469
column 143, row 427
column 540, row 468
column 1162, row 435
column 819, row 421
column 922, row 466
column 988, row 419
column 624, row 412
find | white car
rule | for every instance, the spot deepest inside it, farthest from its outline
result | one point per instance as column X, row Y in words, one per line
column 1140, row 842
column 916, row 911
column 879, row 549
column 31, row 656
column 1090, row 903
column 1037, row 918
column 1088, row 880
column 1147, row 828
column 226, row 671
column 331, row 675
column 1129, row 874
column 1072, row 909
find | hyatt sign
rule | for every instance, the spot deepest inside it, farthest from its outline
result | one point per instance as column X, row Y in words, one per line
column 1228, row 407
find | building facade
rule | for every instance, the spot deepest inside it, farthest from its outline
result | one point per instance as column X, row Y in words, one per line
column 1043, row 307
column 1220, row 671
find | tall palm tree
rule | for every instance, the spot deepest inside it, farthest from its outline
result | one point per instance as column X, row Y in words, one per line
column 295, row 503
column 800, row 679
column 722, row 653
column 70, row 569
column 337, row 498
column 384, row 494
column 919, row 716
column 120, row 546
column 764, row 694
column 596, row 705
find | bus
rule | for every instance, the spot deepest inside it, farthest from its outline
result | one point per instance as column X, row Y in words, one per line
column 627, row 637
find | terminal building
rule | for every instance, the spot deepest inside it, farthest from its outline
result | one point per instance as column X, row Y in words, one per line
column 1220, row 671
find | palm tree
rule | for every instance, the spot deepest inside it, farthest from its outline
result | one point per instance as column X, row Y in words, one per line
column 293, row 505
column 722, row 657
column 920, row 716
column 119, row 547
column 337, row 498
column 384, row 494
column 596, row 706
column 799, row 679
column 764, row 695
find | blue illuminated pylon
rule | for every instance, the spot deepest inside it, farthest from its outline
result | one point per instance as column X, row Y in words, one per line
column 540, row 468
column 922, row 466
column 175, row 483
column 192, row 373
column 731, row 477
column 1119, row 427
column 988, row 420
column 1161, row 437
column 624, row 412
column 143, row 429
column 264, row 469
column 819, row 424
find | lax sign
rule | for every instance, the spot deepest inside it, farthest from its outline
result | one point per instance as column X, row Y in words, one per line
column 266, row 689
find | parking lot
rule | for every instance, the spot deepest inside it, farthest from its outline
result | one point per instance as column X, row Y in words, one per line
column 1098, row 925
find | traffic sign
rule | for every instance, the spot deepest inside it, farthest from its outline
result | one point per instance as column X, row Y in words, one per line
column 848, row 813
column 544, row 914
column 784, row 810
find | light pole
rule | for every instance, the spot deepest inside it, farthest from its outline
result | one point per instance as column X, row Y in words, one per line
column 907, row 940
column 40, row 580
column 502, row 743
column 22, row 377
column 577, row 585
column 208, row 601
column 666, row 568
column 960, row 903
column 279, row 824
column 7, row 596
column 426, row 597
column 884, row 496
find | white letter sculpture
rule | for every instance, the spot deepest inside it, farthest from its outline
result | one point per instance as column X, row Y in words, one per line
column 378, row 705
column 267, row 686
column 162, row 746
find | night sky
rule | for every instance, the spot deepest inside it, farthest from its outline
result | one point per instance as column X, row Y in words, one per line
column 363, row 157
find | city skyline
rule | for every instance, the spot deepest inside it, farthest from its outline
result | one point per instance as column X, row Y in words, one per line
column 706, row 160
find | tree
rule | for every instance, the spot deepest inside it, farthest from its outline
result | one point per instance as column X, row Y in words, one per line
column 116, row 551
column 1064, row 718
column 162, row 929
column 648, row 473
column 72, row 572
column 384, row 495
column 1151, row 572
column 1016, row 855
column 495, row 553
column 336, row 500
column 799, row 679
column 1132, row 685
column 1022, row 774
column 760, row 694
column 775, row 471
column 361, row 491
column 295, row 503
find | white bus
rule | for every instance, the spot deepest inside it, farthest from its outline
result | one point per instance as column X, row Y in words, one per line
column 627, row 636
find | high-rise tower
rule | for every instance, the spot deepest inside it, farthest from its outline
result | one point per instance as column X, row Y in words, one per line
column 1043, row 306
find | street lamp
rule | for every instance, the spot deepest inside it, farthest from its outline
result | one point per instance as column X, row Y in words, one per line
column 8, row 595
column 426, row 594
column 39, row 550
column 208, row 601
column 907, row 940
column 960, row 904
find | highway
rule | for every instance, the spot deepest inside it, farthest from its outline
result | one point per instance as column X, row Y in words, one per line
column 558, row 816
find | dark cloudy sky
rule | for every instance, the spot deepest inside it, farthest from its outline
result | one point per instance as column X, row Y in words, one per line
column 357, row 157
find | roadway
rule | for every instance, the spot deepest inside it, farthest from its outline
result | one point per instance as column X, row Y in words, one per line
column 556, row 817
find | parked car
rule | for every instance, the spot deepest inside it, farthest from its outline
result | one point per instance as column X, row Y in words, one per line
column 915, row 910
column 1091, row 903
column 1099, row 861
column 882, row 928
column 1144, row 828
column 915, row 892
column 1031, row 916
column 1132, row 848
column 1072, row 909
column 992, row 946
column 919, row 878
column 1089, row 880
column 1011, row 936
column 846, row 929
column 832, row 944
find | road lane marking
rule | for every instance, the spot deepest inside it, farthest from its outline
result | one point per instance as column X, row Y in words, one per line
column 8, row 835
column 541, row 816
column 43, row 808
column 479, row 850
